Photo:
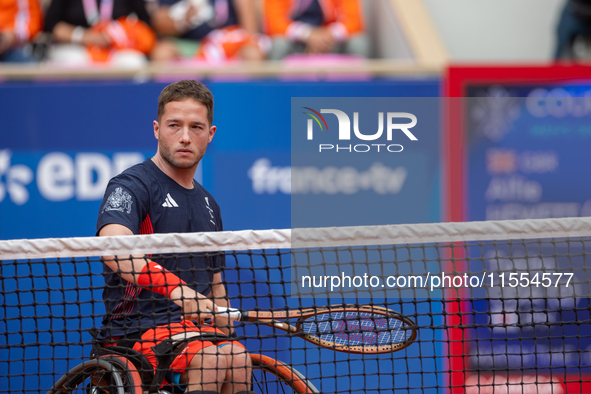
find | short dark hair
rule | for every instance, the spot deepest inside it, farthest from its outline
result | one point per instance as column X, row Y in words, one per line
column 186, row 89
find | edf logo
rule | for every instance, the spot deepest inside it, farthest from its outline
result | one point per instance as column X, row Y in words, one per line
column 345, row 130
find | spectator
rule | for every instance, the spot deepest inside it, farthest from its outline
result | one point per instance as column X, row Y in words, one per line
column 314, row 27
column 113, row 31
column 20, row 21
column 574, row 31
column 214, row 30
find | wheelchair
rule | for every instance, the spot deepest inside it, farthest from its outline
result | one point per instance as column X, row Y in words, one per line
column 122, row 370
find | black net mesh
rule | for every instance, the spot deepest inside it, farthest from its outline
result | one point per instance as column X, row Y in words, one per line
column 489, row 316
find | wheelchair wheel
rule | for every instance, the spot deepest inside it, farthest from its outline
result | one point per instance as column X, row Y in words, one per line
column 90, row 377
column 273, row 376
column 105, row 375
column 130, row 377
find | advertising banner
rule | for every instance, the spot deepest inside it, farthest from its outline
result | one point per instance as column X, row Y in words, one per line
column 60, row 143
column 516, row 149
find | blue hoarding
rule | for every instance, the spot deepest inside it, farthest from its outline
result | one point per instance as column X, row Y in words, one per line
column 61, row 142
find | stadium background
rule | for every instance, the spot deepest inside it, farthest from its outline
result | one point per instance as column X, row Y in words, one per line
column 64, row 133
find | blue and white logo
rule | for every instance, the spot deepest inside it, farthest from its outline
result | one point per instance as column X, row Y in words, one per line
column 14, row 179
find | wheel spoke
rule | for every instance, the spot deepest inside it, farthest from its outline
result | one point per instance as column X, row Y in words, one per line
column 90, row 377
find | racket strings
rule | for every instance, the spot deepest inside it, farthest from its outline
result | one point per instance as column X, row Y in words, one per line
column 357, row 329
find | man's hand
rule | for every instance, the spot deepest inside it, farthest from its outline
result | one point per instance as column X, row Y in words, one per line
column 219, row 295
column 177, row 19
column 8, row 40
column 195, row 306
column 184, row 17
column 319, row 41
column 251, row 52
column 99, row 39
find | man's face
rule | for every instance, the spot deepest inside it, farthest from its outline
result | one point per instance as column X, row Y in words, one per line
column 183, row 133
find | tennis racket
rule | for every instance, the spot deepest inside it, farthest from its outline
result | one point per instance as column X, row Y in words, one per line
column 361, row 329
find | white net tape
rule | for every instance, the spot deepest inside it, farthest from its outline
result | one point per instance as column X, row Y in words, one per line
column 296, row 238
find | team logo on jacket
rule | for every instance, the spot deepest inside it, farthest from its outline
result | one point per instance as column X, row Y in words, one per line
column 119, row 200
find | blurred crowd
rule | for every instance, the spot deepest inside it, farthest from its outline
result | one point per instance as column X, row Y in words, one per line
column 574, row 31
column 134, row 32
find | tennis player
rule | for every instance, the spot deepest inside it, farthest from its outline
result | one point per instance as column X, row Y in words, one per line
column 149, row 301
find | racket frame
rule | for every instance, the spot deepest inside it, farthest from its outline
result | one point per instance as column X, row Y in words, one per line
column 270, row 319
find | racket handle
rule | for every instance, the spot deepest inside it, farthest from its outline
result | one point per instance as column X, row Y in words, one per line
column 230, row 313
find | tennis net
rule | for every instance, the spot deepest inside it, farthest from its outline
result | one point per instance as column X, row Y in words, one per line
column 481, row 307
